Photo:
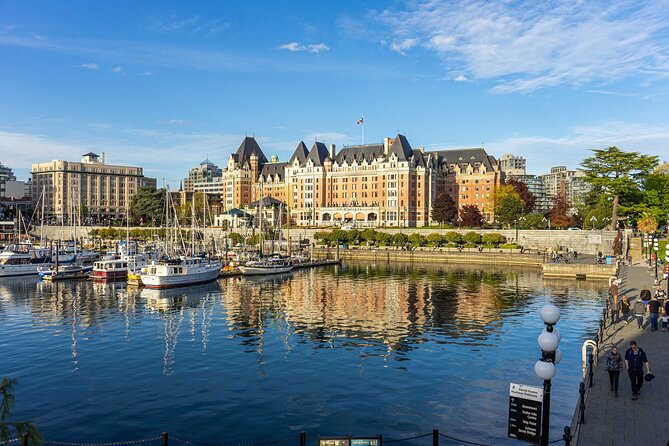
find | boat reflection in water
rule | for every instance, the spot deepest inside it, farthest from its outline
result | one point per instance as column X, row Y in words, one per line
column 177, row 305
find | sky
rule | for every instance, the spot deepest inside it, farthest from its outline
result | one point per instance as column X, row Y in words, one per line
column 164, row 85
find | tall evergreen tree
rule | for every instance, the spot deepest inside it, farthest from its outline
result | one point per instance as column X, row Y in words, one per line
column 617, row 172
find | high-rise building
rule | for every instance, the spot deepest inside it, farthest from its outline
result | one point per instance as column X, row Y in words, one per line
column 6, row 174
column 571, row 183
column 206, row 172
column 102, row 191
column 385, row 184
column 512, row 165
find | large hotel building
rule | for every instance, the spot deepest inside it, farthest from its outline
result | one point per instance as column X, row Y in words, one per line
column 387, row 184
column 103, row 190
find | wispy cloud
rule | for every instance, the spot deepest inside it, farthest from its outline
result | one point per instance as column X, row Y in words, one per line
column 146, row 73
column 461, row 78
column 195, row 25
column 311, row 48
column 90, row 66
column 526, row 45
column 117, row 69
column 542, row 152
column 403, row 46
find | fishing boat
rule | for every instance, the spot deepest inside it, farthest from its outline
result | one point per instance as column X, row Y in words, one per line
column 269, row 265
column 112, row 269
column 180, row 272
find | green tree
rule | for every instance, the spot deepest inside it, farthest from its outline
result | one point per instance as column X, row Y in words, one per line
column 236, row 238
column 337, row 237
column 471, row 216
column 384, row 239
column 617, row 172
column 453, row 237
column 434, row 239
column 535, row 220
column 253, row 240
column 400, row 239
column 369, row 236
column 147, row 206
column 493, row 239
column 417, row 240
column 444, row 209
column 509, row 208
column 9, row 428
column 472, row 237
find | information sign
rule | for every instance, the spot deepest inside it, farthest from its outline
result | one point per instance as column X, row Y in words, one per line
column 525, row 404
column 349, row 441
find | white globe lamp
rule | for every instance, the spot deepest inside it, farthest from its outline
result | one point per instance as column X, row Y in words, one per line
column 547, row 341
column 558, row 356
column 544, row 370
column 550, row 314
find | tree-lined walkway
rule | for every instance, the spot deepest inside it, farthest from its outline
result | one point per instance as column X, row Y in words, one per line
column 622, row 421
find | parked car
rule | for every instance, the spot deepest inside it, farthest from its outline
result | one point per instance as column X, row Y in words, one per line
column 573, row 228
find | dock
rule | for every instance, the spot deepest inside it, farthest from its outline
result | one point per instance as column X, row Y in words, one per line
column 611, row 421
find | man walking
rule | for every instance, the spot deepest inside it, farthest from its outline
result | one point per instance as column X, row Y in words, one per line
column 635, row 358
column 654, row 309
column 639, row 311
column 644, row 295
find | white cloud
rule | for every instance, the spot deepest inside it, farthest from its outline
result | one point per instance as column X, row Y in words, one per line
column 90, row 66
column 297, row 46
column 526, row 45
column 146, row 73
column 117, row 69
column 461, row 78
column 403, row 46
column 543, row 152
column 178, row 122
column 193, row 25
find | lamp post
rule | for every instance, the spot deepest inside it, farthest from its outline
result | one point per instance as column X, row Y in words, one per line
column 593, row 220
column 459, row 220
column 666, row 266
column 544, row 368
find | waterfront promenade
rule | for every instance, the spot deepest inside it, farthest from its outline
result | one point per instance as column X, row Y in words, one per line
column 621, row 421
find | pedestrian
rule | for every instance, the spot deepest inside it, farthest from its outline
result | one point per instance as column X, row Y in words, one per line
column 654, row 309
column 665, row 315
column 614, row 364
column 635, row 359
column 615, row 308
column 645, row 295
column 625, row 308
column 639, row 311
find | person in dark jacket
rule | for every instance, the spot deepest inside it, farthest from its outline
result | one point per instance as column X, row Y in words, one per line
column 635, row 359
column 614, row 364
column 654, row 307
column 625, row 308
column 644, row 295
column 639, row 311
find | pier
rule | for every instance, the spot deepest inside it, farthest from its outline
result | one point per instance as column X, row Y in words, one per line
column 622, row 421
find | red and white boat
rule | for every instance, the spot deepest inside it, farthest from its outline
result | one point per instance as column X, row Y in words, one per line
column 114, row 269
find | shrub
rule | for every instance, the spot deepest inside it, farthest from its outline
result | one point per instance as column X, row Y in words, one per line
column 417, row 240
column 493, row 239
column 453, row 237
column 472, row 238
column 435, row 239
column 510, row 246
column 400, row 239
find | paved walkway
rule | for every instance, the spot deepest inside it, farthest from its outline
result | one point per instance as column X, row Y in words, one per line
column 621, row 421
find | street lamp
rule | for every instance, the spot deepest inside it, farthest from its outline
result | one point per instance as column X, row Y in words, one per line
column 593, row 220
column 459, row 220
column 544, row 368
column 656, row 248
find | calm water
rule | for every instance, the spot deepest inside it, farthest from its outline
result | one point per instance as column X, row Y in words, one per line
column 363, row 349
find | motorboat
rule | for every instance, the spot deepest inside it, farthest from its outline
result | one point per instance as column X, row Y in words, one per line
column 23, row 259
column 180, row 272
column 111, row 269
column 65, row 272
column 269, row 265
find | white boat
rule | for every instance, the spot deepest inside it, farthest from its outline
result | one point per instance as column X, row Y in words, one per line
column 23, row 260
column 181, row 272
column 113, row 269
column 271, row 265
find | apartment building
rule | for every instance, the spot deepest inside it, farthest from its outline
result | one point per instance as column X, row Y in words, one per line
column 102, row 191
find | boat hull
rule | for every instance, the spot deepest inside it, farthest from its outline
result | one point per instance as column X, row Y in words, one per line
column 110, row 275
column 31, row 269
column 264, row 270
column 159, row 282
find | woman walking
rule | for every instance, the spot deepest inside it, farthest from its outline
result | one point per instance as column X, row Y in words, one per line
column 625, row 307
column 614, row 364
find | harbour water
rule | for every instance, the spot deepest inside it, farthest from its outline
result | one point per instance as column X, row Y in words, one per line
column 361, row 349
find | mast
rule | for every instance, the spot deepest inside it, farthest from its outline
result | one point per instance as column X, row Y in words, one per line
column 41, row 225
column 192, row 227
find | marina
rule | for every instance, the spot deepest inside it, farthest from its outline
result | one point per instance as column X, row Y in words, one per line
column 327, row 349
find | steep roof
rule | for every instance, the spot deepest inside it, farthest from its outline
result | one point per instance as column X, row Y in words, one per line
column 301, row 153
column 367, row 152
column 466, row 156
column 249, row 147
column 318, row 153
column 267, row 202
column 91, row 154
column 273, row 169
column 401, row 148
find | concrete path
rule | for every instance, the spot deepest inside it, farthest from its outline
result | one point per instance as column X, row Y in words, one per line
column 622, row 421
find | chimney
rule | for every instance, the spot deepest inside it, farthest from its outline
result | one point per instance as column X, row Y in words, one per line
column 386, row 145
column 332, row 151
column 102, row 158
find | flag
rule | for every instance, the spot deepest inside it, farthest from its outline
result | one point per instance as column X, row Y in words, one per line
column 361, row 120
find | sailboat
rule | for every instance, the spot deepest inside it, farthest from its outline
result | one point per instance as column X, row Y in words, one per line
column 182, row 271
column 267, row 265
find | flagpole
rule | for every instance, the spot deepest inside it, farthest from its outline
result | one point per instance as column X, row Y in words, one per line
column 363, row 130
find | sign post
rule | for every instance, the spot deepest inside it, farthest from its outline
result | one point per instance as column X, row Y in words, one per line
column 525, row 406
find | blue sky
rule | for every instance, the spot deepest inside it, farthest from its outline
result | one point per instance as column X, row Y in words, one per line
column 165, row 84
